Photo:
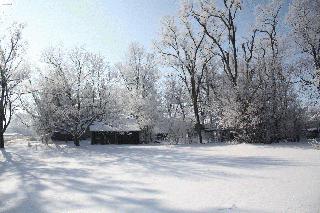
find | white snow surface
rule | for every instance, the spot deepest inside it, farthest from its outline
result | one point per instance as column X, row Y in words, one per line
column 159, row 178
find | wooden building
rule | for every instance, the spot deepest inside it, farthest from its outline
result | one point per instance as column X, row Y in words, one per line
column 61, row 136
column 64, row 136
column 126, row 131
column 312, row 133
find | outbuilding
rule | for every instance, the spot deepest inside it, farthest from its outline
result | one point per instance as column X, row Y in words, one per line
column 126, row 131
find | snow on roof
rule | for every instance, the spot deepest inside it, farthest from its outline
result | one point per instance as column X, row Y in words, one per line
column 312, row 129
column 122, row 125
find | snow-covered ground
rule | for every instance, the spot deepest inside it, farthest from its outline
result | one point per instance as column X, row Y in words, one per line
column 183, row 178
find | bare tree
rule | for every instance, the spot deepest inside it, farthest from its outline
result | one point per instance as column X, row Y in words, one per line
column 184, row 50
column 219, row 22
column 267, row 24
column 303, row 18
column 13, row 72
column 220, row 27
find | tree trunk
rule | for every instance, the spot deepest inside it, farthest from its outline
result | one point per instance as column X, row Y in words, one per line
column 194, row 97
column 199, row 133
column 198, row 123
column 76, row 141
column 1, row 141
column 2, row 123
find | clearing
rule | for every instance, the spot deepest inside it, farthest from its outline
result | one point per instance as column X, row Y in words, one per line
column 159, row 178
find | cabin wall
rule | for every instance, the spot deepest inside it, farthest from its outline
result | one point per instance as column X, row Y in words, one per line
column 115, row 138
column 63, row 136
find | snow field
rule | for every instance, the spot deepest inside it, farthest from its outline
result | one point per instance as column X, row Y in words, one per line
column 155, row 178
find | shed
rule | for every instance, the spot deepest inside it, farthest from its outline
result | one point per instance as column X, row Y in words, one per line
column 124, row 131
column 312, row 133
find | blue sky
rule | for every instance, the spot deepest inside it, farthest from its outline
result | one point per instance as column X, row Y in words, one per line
column 103, row 26
column 106, row 27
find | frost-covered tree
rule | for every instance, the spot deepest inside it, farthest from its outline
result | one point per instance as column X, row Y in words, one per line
column 303, row 19
column 184, row 49
column 73, row 93
column 176, row 99
column 219, row 24
column 13, row 72
column 140, row 74
column 177, row 111
column 235, row 84
column 249, row 84
column 276, row 111
column 267, row 25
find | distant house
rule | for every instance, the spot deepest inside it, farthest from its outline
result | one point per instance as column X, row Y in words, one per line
column 64, row 136
column 123, row 131
column 312, row 133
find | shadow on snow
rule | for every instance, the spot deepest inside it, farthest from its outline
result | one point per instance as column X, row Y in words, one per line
column 37, row 177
